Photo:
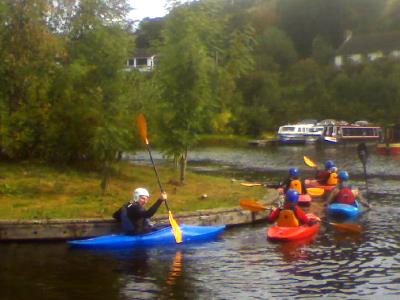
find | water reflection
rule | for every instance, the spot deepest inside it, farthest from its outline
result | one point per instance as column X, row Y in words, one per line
column 295, row 250
column 176, row 269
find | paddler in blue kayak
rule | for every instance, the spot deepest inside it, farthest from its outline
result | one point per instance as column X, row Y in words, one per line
column 134, row 217
column 291, row 214
column 344, row 193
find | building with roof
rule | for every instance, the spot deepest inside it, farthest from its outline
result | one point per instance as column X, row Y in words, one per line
column 358, row 49
column 142, row 60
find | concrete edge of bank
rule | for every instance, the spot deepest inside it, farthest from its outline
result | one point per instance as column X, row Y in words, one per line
column 66, row 229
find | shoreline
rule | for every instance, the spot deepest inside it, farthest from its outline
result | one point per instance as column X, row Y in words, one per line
column 68, row 229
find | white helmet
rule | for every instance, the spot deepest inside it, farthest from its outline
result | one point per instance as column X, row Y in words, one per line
column 139, row 192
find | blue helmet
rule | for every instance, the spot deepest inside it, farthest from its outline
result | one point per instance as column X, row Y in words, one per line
column 292, row 196
column 329, row 164
column 343, row 175
column 294, row 172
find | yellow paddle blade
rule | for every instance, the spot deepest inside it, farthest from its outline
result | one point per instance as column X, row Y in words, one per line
column 309, row 162
column 176, row 230
column 142, row 125
column 315, row 192
column 252, row 205
column 250, row 184
column 356, row 228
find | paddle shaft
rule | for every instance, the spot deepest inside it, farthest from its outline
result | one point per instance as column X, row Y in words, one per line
column 156, row 172
column 362, row 152
column 344, row 226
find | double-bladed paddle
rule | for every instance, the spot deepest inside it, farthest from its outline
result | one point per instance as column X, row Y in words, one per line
column 309, row 162
column 142, row 125
column 252, row 205
column 312, row 191
column 356, row 228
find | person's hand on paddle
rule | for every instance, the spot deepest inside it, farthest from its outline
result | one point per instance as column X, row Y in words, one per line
column 163, row 196
column 313, row 220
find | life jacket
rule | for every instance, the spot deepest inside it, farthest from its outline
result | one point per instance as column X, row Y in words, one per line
column 287, row 218
column 333, row 179
column 345, row 195
column 140, row 226
column 126, row 223
column 295, row 184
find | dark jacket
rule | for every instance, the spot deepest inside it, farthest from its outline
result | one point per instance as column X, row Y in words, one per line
column 287, row 182
column 322, row 176
column 134, row 217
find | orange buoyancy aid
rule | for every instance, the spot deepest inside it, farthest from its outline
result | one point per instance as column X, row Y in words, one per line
column 295, row 184
column 345, row 196
column 333, row 179
column 287, row 218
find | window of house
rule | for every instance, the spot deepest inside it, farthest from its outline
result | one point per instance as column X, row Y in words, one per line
column 141, row 61
column 375, row 55
column 395, row 53
column 355, row 58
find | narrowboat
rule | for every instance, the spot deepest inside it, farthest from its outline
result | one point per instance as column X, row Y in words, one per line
column 343, row 132
column 391, row 142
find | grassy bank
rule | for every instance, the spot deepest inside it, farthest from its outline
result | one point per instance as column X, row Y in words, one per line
column 37, row 191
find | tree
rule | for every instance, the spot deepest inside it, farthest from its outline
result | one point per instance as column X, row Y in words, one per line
column 91, row 93
column 275, row 50
column 185, row 78
column 30, row 60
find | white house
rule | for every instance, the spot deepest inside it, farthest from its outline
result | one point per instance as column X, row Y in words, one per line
column 359, row 49
column 142, row 59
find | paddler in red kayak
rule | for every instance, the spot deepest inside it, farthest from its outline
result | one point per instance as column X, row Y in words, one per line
column 329, row 175
column 343, row 192
column 294, row 182
column 134, row 217
column 291, row 214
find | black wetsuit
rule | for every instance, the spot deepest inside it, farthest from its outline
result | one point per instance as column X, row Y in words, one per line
column 134, row 218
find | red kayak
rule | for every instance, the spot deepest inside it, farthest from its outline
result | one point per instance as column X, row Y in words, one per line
column 279, row 233
column 315, row 183
column 304, row 199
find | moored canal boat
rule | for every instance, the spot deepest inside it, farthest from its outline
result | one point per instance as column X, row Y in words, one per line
column 342, row 132
column 296, row 133
column 391, row 141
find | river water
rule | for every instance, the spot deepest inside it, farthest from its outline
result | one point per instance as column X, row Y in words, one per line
column 242, row 263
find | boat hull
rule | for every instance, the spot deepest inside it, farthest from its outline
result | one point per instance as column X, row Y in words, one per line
column 388, row 148
column 343, row 211
column 314, row 183
column 190, row 233
column 285, row 234
column 304, row 199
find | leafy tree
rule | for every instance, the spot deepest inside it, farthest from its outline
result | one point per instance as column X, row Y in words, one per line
column 93, row 100
column 262, row 108
column 148, row 35
column 274, row 50
column 322, row 51
column 30, row 55
column 303, row 20
column 184, row 74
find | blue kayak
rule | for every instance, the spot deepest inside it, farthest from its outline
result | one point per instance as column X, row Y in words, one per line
column 344, row 211
column 190, row 233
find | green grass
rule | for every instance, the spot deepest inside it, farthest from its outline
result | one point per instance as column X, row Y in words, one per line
column 38, row 191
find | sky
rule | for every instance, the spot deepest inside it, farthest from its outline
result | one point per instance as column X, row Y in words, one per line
column 147, row 8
